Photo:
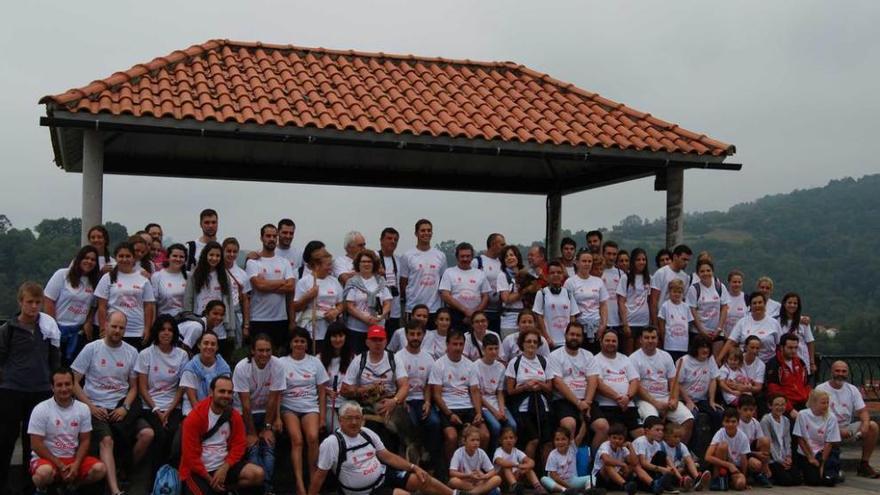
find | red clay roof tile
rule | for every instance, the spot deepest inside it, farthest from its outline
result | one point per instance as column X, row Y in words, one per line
column 286, row 85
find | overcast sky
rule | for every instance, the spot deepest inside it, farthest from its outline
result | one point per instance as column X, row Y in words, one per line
column 792, row 84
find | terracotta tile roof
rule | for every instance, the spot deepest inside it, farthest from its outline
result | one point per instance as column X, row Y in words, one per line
column 285, row 85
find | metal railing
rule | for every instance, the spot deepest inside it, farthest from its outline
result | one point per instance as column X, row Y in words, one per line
column 864, row 373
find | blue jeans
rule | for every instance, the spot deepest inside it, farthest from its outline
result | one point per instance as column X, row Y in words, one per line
column 432, row 437
column 495, row 426
column 261, row 453
column 69, row 342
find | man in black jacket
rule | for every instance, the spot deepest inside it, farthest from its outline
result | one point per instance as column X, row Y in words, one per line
column 29, row 351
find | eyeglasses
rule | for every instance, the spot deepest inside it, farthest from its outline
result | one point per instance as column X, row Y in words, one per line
column 530, row 341
column 351, row 418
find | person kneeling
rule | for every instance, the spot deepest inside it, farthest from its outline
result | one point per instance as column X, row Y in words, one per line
column 213, row 446
column 727, row 454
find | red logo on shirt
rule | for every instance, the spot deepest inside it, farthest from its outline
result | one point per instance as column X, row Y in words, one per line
column 103, row 362
column 57, row 422
column 74, row 423
column 170, row 284
column 120, row 364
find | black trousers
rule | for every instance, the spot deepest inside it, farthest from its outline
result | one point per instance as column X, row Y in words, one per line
column 15, row 414
column 783, row 477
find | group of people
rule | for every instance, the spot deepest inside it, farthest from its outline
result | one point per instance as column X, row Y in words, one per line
column 396, row 372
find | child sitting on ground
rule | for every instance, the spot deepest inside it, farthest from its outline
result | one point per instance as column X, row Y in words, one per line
column 776, row 427
column 613, row 465
column 562, row 464
column 727, row 454
column 654, row 469
column 470, row 469
column 514, row 465
column 759, row 457
column 818, row 436
column 733, row 379
column 685, row 468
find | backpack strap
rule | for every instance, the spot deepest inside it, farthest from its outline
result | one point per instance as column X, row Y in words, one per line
column 224, row 418
column 480, row 262
column 190, row 254
column 476, row 344
column 343, row 456
column 363, row 365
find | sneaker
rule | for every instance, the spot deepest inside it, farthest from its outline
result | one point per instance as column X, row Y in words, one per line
column 630, row 487
column 703, row 481
column 687, row 484
column 866, row 471
column 762, row 481
column 517, row 489
column 671, row 490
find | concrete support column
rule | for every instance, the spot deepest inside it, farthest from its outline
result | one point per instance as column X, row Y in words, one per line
column 92, row 182
column 554, row 224
column 674, row 206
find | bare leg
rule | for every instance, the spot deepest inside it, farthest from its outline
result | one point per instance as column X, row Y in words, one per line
column 106, row 453
column 431, row 485
column 294, row 430
column 450, row 442
column 142, row 444
column 251, row 475
column 311, row 423
column 43, row 476
column 97, row 473
column 869, row 441
column 687, row 429
column 600, row 433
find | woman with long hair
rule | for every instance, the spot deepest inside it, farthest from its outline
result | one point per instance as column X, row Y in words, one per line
column 201, row 369
column 142, row 254
column 303, row 403
column 367, row 300
column 240, row 286
column 169, row 284
column 317, row 300
column 127, row 290
column 632, row 295
column 757, row 323
column 99, row 239
column 708, row 300
column 69, row 297
column 336, row 357
column 790, row 321
column 435, row 340
column 210, row 282
column 737, row 307
column 508, row 289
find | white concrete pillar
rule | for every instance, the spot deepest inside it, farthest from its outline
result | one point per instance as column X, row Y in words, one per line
column 92, row 181
column 554, row 224
column 674, row 206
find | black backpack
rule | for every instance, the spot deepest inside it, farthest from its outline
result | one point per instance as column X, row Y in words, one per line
column 343, row 455
column 532, row 397
column 391, row 363
column 698, row 286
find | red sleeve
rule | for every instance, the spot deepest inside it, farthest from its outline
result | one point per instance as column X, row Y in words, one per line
column 191, row 447
column 237, row 439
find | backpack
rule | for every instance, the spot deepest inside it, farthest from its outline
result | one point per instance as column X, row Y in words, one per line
column 698, row 285
column 516, row 401
column 190, row 255
column 363, row 365
column 183, row 317
column 343, row 455
column 167, row 481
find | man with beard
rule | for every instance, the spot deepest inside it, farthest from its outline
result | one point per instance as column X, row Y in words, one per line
column 422, row 415
column 846, row 404
column 272, row 279
column 208, row 221
column 575, row 378
column 567, row 248
column 213, row 445
column 285, row 249
column 618, row 385
column 463, row 288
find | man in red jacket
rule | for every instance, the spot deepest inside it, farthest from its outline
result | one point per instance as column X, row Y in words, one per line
column 787, row 375
column 213, row 446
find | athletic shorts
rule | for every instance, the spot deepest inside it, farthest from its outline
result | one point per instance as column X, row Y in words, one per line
column 465, row 415
column 197, row 485
column 629, row 418
column 85, row 466
column 678, row 416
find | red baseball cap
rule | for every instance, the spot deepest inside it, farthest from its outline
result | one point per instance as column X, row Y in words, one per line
column 376, row 332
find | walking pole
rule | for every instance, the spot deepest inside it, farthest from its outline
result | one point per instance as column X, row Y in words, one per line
column 315, row 317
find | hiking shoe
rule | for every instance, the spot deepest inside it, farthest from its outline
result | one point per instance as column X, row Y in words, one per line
column 866, row 471
column 703, row 481
column 687, row 484
column 762, row 481
column 630, row 487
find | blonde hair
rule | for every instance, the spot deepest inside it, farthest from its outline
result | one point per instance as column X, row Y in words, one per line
column 29, row 288
column 468, row 431
column 817, row 395
column 676, row 284
column 765, row 278
column 737, row 353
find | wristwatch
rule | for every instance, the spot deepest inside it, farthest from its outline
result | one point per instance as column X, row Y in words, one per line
column 268, row 426
column 126, row 407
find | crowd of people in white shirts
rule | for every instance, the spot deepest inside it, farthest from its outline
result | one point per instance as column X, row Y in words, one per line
column 577, row 373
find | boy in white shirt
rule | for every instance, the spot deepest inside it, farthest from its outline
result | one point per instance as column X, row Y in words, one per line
column 683, row 463
column 614, row 461
column 673, row 321
column 654, row 469
column 759, row 458
column 727, row 454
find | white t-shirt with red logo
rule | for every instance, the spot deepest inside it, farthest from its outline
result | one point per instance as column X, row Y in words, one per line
column 529, row 369
column 491, row 378
column 845, row 402
column 737, row 309
column 655, row 372
column 696, row 375
column 378, row 372
column 510, row 348
column 127, row 296
column 301, row 381
column 661, row 278
column 589, row 293
column 107, row 371
column 574, row 370
column 611, row 278
column 816, row 430
column 269, row 306
column 329, row 295
column 465, row 463
column 360, row 300
column 418, row 368
column 168, row 290
column 709, row 304
column 492, row 268
column 509, row 311
column 60, row 426
column 72, row 305
column 465, row 286
column 767, row 330
column 637, row 310
column 163, row 373
column 455, row 379
column 216, row 447
column 423, row 270
column 676, row 318
column 738, row 376
column 434, row 344
column 211, row 291
column 257, row 382
column 737, row 445
column 616, row 373
column 752, row 429
column 557, row 310
column 361, row 468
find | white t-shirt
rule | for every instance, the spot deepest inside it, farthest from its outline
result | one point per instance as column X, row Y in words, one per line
column 361, row 467
column 301, row 381
column 676, row 318
column 656, row 372
column 611, row 278
column 737, row 446
column 529, row 369
column 359, row 298
column 398, row 340
column 805, row 336
column 752, row 429
column 258, row 383
column 465, row 463
column 215, row 448
column 767, row 330
column 696, row 375
column 709, row 305
column 606, row 449
column 510, row 311
column 516, row 456
column 574, row 370
column 342, row 264
column 465, row 286
column 756, row 370
column 637, row 310
column 510, row 350
column 737, row 309
column 168, row 290
column 473, row 345
column 378, row 372
column 163, row 373
column 391, row 264
column 773, row 308
column 646, row 447
column 589, row 293
column 816, row 430
column 670, row 451
column 434, row 344
column 845, row 402
column 423, row 270
column 616, row 373
column 740, row 377
column 292, row 254
column 72, row 305
column 211, row 291
column 238, row 280
column 190, row 331
column 269, row 306
column 107, row 371
column 455, row 379
column 564, row 465
column 329, row 295
column 491, row 377
column 557, row 310
column 491, row 268
column 661, row 278
column 128, row 295
column 418, row 369
column 59, row 426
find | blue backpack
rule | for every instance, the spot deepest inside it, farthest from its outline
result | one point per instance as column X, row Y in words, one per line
column 167, row 482
column 582, row 460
